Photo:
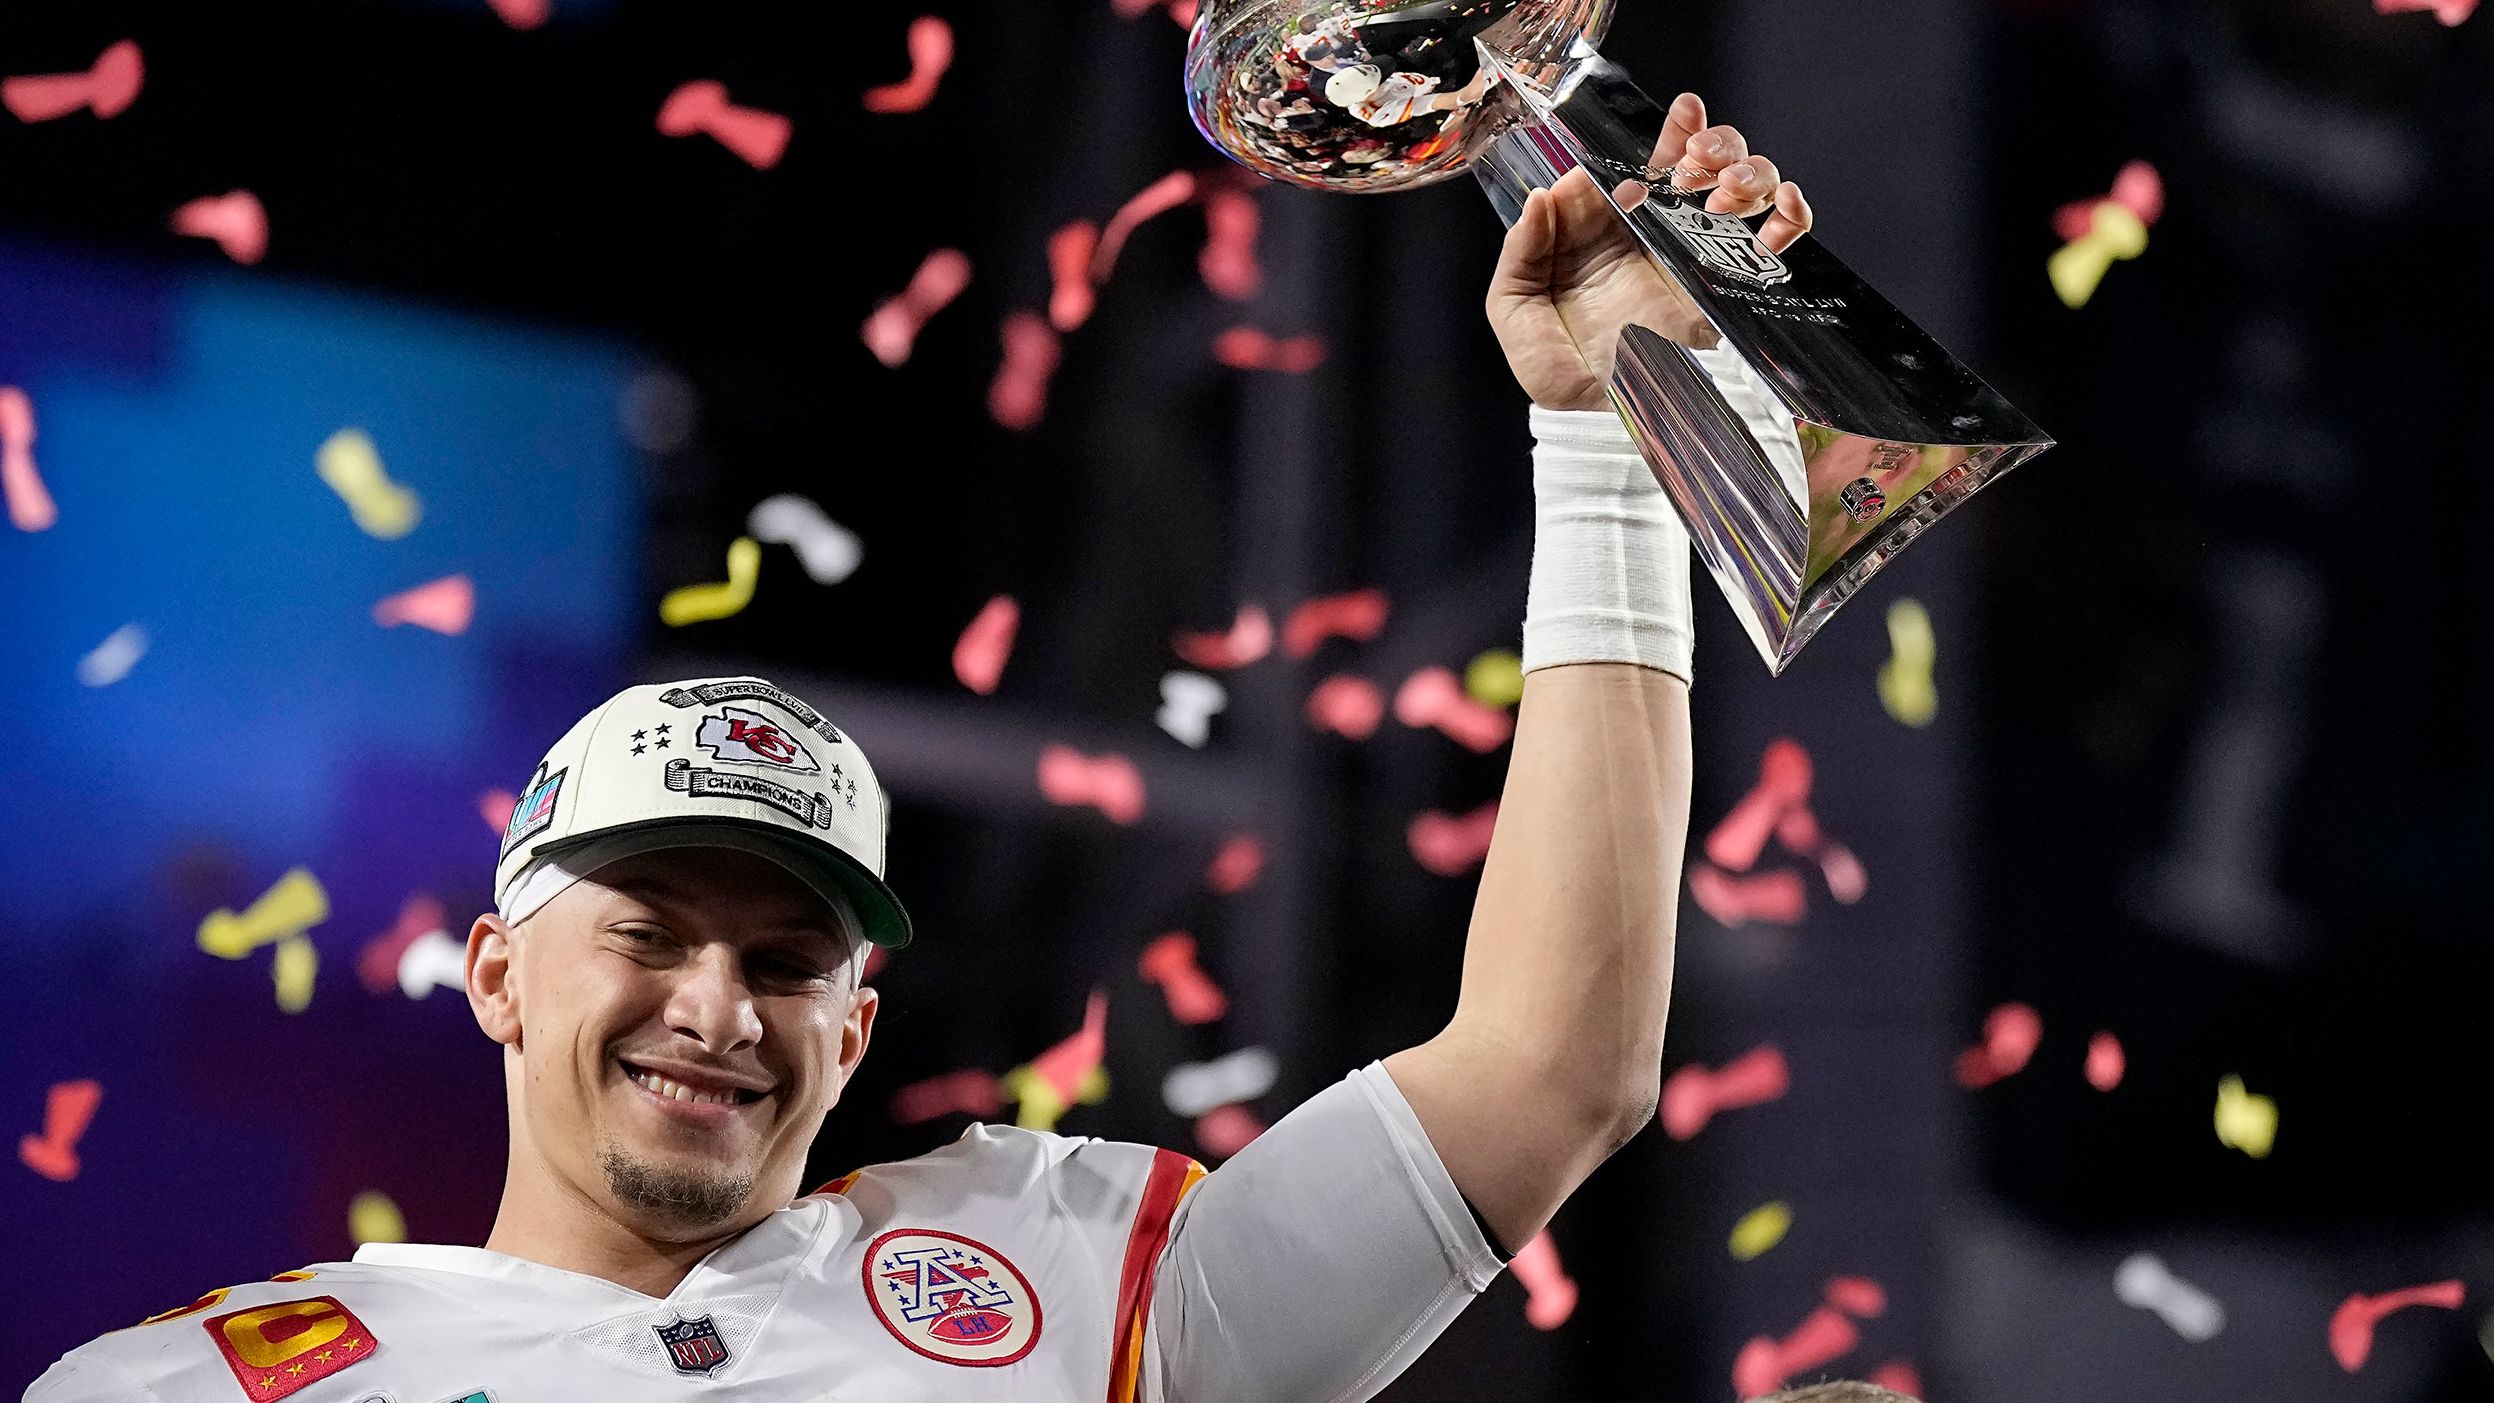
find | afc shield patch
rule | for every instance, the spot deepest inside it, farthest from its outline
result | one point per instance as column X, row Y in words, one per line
column 949, row 1298
column 276, row 1349
column 1724, row 243
column 693, row 1346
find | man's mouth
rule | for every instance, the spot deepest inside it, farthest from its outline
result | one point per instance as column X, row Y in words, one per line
column 665, row 1088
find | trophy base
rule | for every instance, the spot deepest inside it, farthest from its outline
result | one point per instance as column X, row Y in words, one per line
column 1821, row 432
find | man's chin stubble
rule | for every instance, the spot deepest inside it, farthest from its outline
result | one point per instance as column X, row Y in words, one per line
column 670, row 1195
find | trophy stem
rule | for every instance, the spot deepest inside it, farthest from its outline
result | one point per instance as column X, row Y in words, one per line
column 1804, row 428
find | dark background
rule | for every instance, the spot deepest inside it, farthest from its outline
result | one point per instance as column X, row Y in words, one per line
column 2210, row 772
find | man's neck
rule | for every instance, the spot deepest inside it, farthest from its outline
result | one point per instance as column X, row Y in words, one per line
column 558, row 1229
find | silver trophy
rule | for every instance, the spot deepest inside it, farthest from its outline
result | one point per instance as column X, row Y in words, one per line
column 1805, row 429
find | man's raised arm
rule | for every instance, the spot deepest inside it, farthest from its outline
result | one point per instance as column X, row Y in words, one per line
column 1553, row 1057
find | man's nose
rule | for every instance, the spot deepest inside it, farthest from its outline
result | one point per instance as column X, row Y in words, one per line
column 711, row 1003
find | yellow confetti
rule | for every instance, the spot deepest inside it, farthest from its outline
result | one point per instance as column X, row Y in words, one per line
column 2245, row 1121
column 1760, row 1229
column 697, row 603
column 295, row 904
column 2116, row 232
column 1496, row 678
column 372, row 1217
column 296, row 964
column 1905, row 685
column 1037, row 1105
column 351, row 465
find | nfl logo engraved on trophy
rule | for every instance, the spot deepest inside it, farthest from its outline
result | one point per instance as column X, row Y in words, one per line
column 1862, row 499
column 1724, row 243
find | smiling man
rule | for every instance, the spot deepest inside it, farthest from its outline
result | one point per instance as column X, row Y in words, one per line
column 686, row 894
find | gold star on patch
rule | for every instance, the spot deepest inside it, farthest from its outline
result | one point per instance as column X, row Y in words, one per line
column 351, row 1343
column 269, row 1382
column 295, row 1368
column 323, row 1356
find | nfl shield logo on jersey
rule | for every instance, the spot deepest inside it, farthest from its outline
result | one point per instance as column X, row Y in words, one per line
column 950, row 1298
column 693, row 1346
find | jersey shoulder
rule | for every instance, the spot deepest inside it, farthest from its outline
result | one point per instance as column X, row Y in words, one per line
column 1022, row 1171
column 261, row 1341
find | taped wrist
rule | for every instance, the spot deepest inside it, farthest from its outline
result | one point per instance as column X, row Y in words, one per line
column 1610, row 579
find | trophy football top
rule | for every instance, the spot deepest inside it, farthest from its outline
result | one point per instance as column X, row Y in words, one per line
column 1369, row 95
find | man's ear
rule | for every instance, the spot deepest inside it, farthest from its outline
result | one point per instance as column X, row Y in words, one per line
column 493, row 983
column 856, row 1029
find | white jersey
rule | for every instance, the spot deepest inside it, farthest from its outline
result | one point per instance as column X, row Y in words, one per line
column 1009, row 1265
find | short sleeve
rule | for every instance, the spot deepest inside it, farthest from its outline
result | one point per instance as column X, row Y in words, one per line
column 1316, row 1265
column 87, row 1379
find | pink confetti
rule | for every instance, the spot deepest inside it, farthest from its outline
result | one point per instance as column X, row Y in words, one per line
column 1769, row 898
column 1157, row 198
column 1434, row 697
column 1170, row 963
column 1452, row 844
column 1183, row 11
column 979, row 658
column 2450, row 12
column 2105, row 1063
column 2351, row 1327
column 234, row 220
column 930, row 45
column 1064, row 1066
column 108, row 87
column 447, row 605
column 1246, row 348
column 2137, row 188
column 1235, row 868
column 876, row 959
column 757, row 137
column 2010, row 1036
column 1900, row 1376
column 377, row 967
column 1228, row 262
column 1783, row 785
column 1695, row 1094
column 1764, row 1364
column 495, row 806
column 1549, row 1292
column 1346, row 705
column 1846, row 881
column 1359, row 616
column 522, row 14
column 1069, row 270
column 1019, row 397
column 891, row 333
column 30, row 505
column 1249, row 639
column 1109, row 783
column 966, row 1092
column 1857, row 1296
column 68, row 1108
column 1225, row 1130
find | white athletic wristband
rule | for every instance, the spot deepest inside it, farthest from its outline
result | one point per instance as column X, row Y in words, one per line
column 1610, row 576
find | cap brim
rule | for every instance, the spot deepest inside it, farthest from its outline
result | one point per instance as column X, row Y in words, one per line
column 828, row 871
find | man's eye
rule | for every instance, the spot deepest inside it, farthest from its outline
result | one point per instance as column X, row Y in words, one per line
column 640, row 937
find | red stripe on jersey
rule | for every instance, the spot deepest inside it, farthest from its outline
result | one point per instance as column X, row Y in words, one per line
column 839, row 1185
column 1163, row 1189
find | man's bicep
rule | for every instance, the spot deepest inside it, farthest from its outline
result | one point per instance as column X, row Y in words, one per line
column 1317, row 1264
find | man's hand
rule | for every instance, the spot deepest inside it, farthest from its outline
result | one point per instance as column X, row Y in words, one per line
column 1571, row 275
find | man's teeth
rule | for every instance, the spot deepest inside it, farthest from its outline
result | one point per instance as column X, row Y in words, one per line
column 677, row 1091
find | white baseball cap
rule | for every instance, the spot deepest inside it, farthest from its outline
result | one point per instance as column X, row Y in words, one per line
column 722, row 762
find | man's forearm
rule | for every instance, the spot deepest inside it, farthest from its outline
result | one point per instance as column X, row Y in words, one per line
column 1554, row 1054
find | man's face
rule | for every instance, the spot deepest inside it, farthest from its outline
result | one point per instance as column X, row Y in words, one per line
column 685, row 1019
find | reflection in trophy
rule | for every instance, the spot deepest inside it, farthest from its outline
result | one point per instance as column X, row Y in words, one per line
column 1806, row 430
